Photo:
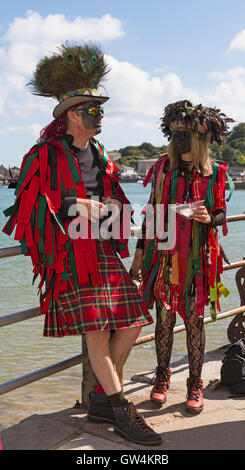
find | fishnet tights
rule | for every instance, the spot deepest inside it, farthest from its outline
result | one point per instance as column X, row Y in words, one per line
column 195, row 338
column 164, row 335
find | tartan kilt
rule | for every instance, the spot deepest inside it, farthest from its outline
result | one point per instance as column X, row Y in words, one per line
column 113, row 304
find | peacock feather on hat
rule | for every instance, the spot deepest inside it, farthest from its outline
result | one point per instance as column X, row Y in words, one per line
column 71, row 75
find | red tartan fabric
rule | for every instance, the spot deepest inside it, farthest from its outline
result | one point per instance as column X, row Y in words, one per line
column 114, row 303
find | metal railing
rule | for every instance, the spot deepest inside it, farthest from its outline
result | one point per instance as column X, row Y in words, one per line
column 88, row 377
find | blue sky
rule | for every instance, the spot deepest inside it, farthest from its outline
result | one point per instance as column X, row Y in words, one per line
column 159, row 52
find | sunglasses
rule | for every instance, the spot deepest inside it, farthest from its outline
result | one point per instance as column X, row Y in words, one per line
column 92, row 111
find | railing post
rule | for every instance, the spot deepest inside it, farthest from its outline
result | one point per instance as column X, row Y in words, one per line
column 89, row 380
column 121, row 378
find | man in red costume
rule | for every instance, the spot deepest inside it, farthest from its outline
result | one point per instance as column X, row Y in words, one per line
column 65, row 184
column 185, row 277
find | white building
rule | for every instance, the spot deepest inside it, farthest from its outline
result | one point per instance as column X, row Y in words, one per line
column 127, row 171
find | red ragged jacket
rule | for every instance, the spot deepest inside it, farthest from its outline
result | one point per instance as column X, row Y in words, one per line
column 50, row 172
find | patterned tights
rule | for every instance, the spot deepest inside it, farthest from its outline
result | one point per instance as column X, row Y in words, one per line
column 195, row 338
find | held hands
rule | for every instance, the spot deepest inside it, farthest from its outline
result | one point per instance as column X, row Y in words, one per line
column 114, row 205
column 95, row 210
column 135, row 271
column 201, row 215
column 108, row 200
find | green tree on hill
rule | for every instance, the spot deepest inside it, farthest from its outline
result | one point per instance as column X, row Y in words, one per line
column 132, row 153
column 237, row 134
column 233, row 150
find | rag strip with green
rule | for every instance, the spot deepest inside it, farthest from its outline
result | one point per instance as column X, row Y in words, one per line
column 215, row 199
column 49, row 173
column 152, row 256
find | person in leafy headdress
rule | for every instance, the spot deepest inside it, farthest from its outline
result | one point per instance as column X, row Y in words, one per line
column 184, row 277
column 67, row 182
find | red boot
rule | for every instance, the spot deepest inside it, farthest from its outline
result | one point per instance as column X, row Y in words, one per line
column 159, row 390
column 194, row 402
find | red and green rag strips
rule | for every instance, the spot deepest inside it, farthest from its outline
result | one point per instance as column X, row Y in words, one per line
column 49, row 173
column 196, row 258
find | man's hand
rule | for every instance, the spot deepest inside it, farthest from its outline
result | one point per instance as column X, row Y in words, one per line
column 113, row 205
column 136, row 268
column 93, row 210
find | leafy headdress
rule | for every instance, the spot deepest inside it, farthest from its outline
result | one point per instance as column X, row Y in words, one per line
column 183, row 114
column 71, row 76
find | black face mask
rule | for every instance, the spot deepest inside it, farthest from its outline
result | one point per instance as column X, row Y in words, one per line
column 92, row 121
column 182, row 141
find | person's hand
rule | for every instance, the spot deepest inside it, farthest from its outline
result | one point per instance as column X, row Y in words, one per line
column 201, row 215
column 136, row 268
column 93, row 210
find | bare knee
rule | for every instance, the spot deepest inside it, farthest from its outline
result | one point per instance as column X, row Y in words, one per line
column 97, row 338
column 128, row 335
column 135, row 331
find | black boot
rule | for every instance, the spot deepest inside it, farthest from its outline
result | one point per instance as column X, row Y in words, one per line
column 100, row 409
column 132, row 426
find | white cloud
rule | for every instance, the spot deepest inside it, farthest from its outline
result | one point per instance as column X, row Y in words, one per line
column 134, row 92
column 238, row 42
column 144, row 125
column 136, row 103
column 30, row 38
column 38, row 30
column 32, row 129
column 34, row 36
column 230, row 74
column 229, row 94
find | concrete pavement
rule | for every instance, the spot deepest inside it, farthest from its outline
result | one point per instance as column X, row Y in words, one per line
column 221, row 426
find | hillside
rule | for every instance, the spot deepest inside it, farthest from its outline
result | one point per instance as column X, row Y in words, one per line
column 233, row 152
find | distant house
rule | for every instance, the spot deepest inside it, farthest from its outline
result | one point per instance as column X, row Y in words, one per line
column 144, row 166
column 127, row 171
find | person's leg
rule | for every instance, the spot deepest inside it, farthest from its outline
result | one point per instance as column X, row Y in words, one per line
column 127, row 422
column 98, row 344
column 195, row 339
column 113, row 351
column 99, row 352
column 164, row 336
column 121, row 343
